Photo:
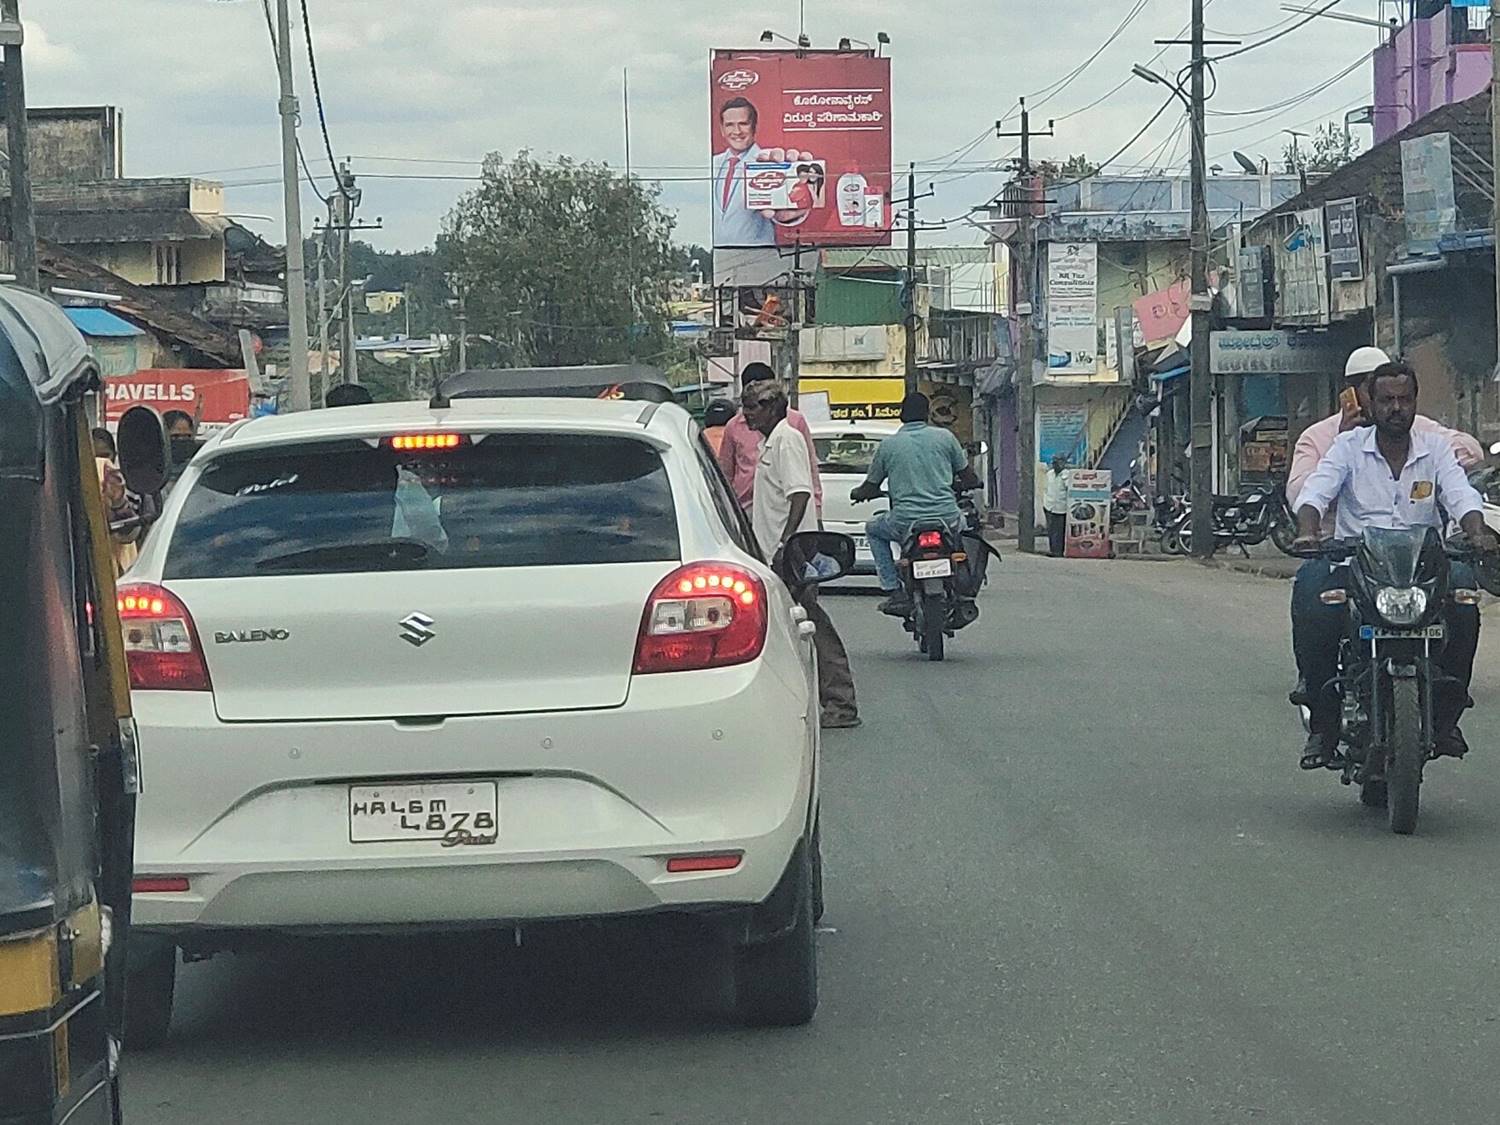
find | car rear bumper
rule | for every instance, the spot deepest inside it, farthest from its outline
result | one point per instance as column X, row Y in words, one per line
column 592, row 804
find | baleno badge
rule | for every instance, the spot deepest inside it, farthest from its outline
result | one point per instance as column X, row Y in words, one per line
column 251, row 636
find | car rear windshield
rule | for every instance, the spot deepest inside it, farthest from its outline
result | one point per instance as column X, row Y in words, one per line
column 507, row 500
column 851, row 454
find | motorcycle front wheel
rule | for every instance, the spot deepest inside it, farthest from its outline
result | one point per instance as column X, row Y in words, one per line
column 1403, row 772
column 1283, row 532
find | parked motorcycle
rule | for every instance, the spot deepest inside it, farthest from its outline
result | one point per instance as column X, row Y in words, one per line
column 1238, row 521
column 1128, row 498
column 1397, row 588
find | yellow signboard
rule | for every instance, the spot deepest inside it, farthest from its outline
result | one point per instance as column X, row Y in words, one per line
column 861, row 399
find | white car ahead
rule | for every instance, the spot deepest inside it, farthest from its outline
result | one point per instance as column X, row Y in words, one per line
column 845, row 450
column 397, row 667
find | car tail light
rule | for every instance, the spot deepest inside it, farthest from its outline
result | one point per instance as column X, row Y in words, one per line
column 159, row 884
column 704, row 615
column 425, row 443
column 930, row 539
column 161, row 642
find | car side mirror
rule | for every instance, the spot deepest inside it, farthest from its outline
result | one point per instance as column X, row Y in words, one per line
column 142, row 447
column 812, row 557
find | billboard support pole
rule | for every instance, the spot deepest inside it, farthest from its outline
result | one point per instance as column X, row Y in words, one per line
column 1025, row 388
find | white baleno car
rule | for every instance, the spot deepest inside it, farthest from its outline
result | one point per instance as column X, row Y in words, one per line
column 509, row 661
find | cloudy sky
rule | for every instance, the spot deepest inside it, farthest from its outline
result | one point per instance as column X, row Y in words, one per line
column 417, row 93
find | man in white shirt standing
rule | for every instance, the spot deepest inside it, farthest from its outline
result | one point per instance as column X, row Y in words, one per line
column 1385, row 475
column 782, row 507
column 1055, row 506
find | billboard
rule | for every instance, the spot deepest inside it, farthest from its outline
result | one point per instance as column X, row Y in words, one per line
column 215, row 397
column 1072, row 308
column 801, row 144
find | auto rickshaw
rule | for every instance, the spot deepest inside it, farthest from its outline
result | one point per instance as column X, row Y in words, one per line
column 68, row 767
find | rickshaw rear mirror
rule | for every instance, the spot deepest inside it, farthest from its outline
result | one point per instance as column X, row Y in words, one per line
column 142, row 446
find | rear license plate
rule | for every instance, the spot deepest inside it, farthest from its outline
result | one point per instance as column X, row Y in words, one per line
column 860, row 543
column 464, row 812
column 1428, row 632
column 932, row 568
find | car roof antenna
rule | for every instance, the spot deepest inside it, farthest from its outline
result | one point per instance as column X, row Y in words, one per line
column 438, row 401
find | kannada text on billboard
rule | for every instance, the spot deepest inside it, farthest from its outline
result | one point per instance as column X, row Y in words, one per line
column 801, row 148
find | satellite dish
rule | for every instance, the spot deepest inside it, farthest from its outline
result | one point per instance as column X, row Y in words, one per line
column 1246, row 163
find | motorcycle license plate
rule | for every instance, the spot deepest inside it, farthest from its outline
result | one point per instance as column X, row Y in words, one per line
column 932, row 568
column 1427, row 632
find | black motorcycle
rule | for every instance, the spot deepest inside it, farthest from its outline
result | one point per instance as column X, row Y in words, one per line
column 941, row 574
column 1238, row 521
column 1397, row 587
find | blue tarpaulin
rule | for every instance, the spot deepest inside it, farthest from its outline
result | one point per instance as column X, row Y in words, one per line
column 101, row 323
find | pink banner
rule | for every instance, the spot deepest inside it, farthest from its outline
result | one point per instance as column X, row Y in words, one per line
column 1162, row 314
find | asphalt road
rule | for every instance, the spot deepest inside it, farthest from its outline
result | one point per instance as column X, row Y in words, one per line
column 1074, row 877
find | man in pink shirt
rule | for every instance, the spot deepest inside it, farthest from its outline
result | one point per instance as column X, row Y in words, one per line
column 739, row 451
column 1312, row 447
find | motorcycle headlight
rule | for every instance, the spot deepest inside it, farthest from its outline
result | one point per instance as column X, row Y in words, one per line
column 1401, row 606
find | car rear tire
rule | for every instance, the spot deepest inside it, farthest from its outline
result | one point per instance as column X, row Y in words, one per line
column 817, row 872
column 150, row 987
column 776, row 981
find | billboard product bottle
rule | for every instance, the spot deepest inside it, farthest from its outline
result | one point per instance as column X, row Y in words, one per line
column 852, row 191
column 874, row 208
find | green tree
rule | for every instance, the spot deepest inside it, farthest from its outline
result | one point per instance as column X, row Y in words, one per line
column 1331, row 148
column 562, row 263
column 1078, row 167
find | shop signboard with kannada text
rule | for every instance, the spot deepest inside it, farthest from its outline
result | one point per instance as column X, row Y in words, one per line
column 1072, row 308
column 801, row 148
column 1273, row 352
column 858, row 399
column 1089, row 496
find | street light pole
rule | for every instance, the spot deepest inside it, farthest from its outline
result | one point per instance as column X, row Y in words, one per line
column 1199, row 303
column 296, row 267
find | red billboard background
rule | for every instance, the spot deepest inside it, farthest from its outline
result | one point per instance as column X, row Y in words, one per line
column 224, row 394
column 826, row 116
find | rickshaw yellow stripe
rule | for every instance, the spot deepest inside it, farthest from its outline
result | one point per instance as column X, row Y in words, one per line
column 28, row 973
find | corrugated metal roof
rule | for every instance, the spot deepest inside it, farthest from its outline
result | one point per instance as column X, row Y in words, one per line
column 101, row 323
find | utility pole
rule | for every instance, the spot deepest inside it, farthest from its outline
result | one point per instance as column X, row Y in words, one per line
column 913, row 317
column 463, row 335
column 22, row 217
column 1025, row 274
column 346, row 199
column 1200, row 302
column 323, row 312
column 296, row 268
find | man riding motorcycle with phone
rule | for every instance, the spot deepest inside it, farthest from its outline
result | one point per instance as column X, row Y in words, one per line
column 1392, row 475
column 919, row 463
column 1313, row 446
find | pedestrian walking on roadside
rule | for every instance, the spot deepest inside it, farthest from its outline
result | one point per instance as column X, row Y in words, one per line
column 1055, row 506
column 783, row 507
column 739, row 448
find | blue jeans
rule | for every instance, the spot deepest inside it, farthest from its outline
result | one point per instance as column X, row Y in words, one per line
column 1317, row 630
column 887, row 535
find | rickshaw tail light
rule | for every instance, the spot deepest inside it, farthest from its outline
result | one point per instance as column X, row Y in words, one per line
column 161, row 642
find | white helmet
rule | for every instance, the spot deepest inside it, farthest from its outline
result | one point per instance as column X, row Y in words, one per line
column 1362, row 361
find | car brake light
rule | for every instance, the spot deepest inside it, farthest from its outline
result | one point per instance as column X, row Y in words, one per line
column 161, row 642
column 704, row 615
column 930, row 539
column 425, row 443
column 159, row 885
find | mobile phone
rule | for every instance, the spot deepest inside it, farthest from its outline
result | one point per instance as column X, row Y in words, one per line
column 1348, row 399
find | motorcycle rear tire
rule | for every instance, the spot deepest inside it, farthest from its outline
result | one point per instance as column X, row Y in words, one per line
column 1403, row 773
column 934, row 620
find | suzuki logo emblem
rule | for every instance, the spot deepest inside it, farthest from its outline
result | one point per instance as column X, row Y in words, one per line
column 417, row 630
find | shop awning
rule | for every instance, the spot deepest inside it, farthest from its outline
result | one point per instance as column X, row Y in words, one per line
column 101, row 324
